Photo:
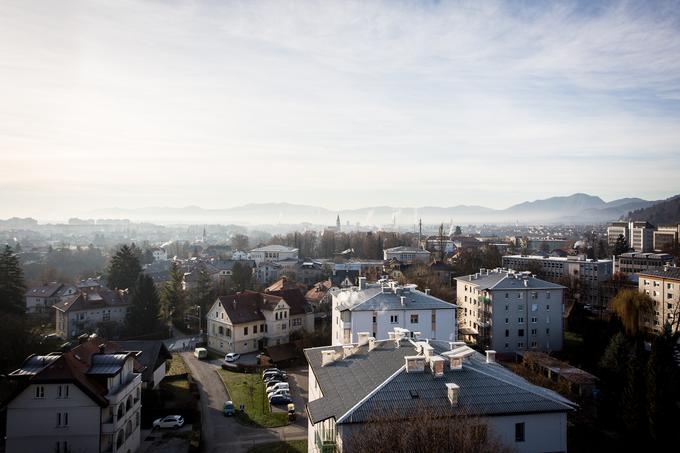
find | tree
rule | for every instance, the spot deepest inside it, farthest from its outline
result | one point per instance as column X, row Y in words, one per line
column 662, row 388
column 202, row 294
column 241, row 277
column 12, row 287
column 635, row 309
column 239, row 242
column 173, row 300
column 143, row 315
column 458, row 231
column 124, row 268
column 621, row 245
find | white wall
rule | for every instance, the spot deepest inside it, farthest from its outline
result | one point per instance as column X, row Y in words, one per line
column 543, row 432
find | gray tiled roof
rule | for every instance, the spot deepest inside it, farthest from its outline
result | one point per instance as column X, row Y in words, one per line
column 485, row 389
column 507, row 280
column 374, row 299
column 671, row 272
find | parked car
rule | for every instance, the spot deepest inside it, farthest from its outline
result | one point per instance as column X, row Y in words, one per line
column 201, row 353
column 231, row 357
column 271, row 370
column 169, row 421
column 277, row 386
column 279, row 376
column 279, row 392
column 228, row 408
column 280, row 399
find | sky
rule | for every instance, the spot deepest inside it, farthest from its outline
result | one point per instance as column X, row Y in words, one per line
column 341, row 104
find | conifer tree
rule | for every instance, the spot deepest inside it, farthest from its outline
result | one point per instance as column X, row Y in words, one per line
column 12, row 287
column 173, row 300
column 124, row 268
column 143, row 315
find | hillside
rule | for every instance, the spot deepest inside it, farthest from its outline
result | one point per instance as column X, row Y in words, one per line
column 664, row 212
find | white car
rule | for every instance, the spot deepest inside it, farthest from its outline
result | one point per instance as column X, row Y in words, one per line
column 231, row 357
column 278, row 386
column 170, row 421
column 280, row 392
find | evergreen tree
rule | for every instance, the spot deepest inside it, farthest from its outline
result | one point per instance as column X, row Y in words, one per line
column 662, row 388
column 241, row 277
column 173, row 300
column 621, row 246
column 633, row 395
column 124, row 268
column 458, row 231
column 143, row 315
column 12, row 287
column 203, row 294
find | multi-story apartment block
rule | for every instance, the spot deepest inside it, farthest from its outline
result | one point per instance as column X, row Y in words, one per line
column 663, row 286
column 635, row 263
column 380, row 307
column 617, row 229
column 40, row 299
column 510, row 311
column 87, row 399
column 85, row 311
column 273, row 253
column 639, row 235
column 394, row 380
column 406, row 255
column 589, row 272
column 248, row 322
column 666, row 238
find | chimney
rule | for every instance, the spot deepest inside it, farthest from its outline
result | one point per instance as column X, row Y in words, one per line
column 437, row 365
column 456, row 363
column 417, row 335
column 363, row 338
column 327, row 357
column 391, row 335
column 372, row 343
column 456, row 344
column 102, row 348
column 452, row 391
column 415, row 363
column 362, row 283
column 402, row 299
column 427, row 291
column 347, row 350
column 427, row 350
column 490, row 356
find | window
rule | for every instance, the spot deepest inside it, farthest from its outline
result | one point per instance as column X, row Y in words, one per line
column 414, row 319
column 228, row 332
column 507, row 307
column 534, row 331
column 534, row 320
column 285, row 314
column 534, row 307
column 61, row 447
column 547, row 307
column 520, row 319
column 394, row 319
column 262, row 329
column 284, row 326
column 220, row 329
column 507, row 332
column 534, row 295
column 507, row 320
column 245, row 331
column 62, row 419
column 62, row 391
column 547, row 294
column 39, row 391
column 519, row 295
column 547, row 331
column 375, row 318
column 297, row 322
column 534, row 344
column 507, row 345
column 520, row 307
column 519, row 432
column 520, row 344
column 255, row 329
column 507, row 295
column 520, row 332
column 106, row 315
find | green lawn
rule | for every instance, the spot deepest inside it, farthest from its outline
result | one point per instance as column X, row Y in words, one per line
column 249, row 389
column 293, row 446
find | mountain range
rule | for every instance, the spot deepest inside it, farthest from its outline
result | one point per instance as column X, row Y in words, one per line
column 578, row 208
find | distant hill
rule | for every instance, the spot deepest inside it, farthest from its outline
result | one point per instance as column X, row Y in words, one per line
column 664, row 212
column 578, row 208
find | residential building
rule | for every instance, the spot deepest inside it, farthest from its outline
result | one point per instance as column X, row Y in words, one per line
column 372, row 269
column 153, row 355
column 310, row 272
column 301, row 314
column 270, row 253
column 636, row 262
column 266, row 272
column 319, row 295
column 437, row 243
column 510, row 311
column 617, row 229
column 545, row 244
column 159, row 254
column 87, row 399
column 642, row 236
column 466, row 242
column 87, row 311
column 666, row 238
column 380, row 307
column 352, row 384
column 442, row 271
column 407, row 255
column 663, row 286
column 589, row 272
column 40, row 299
column 247, row 322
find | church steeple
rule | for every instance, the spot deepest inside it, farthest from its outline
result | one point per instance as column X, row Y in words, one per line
column 337, row 222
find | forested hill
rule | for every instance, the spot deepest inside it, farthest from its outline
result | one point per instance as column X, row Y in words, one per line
column 665, row 212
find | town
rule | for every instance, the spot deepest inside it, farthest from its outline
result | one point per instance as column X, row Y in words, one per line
column 322, row 338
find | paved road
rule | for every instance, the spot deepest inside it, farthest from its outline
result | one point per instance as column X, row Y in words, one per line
column 224, row 433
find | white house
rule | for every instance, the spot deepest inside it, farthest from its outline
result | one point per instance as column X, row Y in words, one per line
column 88, row 399
column 510, row 311
column 86, row 311
column 380, row 307
column 40, row 299
column 397, row 377
column 407, row 255
column 273, row 253
column 159, row 254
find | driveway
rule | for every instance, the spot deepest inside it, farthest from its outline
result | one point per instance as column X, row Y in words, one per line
column 224, row 433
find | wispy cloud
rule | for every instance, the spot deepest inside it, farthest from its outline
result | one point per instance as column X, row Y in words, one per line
column 443, row 102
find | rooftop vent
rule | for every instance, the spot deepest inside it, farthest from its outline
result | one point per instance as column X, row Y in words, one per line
column 402, row 299
column 427, row 350
column 362, row 282
column 456, row 363
column 490, row 356
column 415, row 364
column 327, row 357
column 347, row 350
column 363, row 338
column 391, row 335
column 452, row 392
column 372, row 343
column 437, row 365
column 427, row 291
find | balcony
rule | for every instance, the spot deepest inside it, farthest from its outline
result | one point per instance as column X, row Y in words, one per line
column 324, row 445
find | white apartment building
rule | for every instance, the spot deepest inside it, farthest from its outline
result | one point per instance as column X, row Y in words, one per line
column 637, row 262
column 378, row 308
column 589, row 272
column 639, row 235
column 85, row 311
column 271, row 253
column 407, row 255
column 510, row 311
column 85, row 400
column 663, row 286
column 351, row 384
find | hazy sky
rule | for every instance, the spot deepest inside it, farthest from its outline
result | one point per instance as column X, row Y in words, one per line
column 340, row 104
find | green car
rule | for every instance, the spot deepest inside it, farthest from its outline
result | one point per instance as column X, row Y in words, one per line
column 228, row 409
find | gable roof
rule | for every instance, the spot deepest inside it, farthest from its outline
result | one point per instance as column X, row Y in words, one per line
column 377, row 298
column 94, row 298
column 356, row 387
column 46, row 290
column 151, row 355
column 504, row 279
column 292, row 294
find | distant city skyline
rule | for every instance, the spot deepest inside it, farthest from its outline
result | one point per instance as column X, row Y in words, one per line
column 335, row 104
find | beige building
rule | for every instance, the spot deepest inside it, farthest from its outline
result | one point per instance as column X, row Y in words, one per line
column 85, row 400
column 271, row 253
column 406, row 255
column 663, row 286
column 86, row 311
column 666, row 238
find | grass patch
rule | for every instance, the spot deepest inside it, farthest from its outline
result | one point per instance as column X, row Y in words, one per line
column 177, row 365
column 248, row 389
column 293, row 446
